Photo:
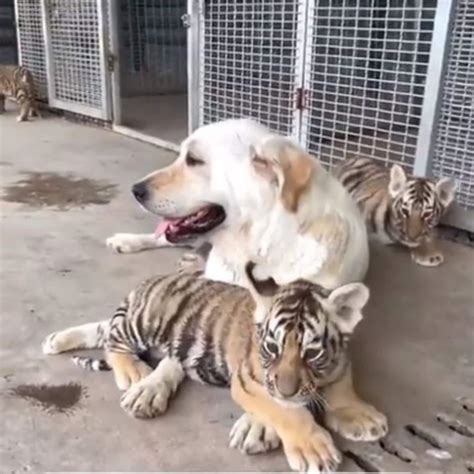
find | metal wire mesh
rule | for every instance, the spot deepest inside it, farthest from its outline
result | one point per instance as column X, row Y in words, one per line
column 153, row 47
column 249, row 52
column 76, row 52
column 454, row 149
column 367, row 63
column 31, row 42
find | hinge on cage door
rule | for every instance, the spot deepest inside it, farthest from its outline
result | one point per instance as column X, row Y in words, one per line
column 186, row 20
column 301, row 98
column 111, row 62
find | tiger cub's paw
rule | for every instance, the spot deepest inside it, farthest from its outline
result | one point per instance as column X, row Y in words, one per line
column 314, row 452
column 251, row 437
column 128, row 369
column 190, row 262
column 430, row 260
column 149, row 397
column 54, row 343
column 358, row 422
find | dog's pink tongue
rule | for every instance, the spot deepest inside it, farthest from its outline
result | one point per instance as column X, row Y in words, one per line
column 161, row 227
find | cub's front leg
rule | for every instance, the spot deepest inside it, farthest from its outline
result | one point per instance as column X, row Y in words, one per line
column 351, row 417
column 308, row 447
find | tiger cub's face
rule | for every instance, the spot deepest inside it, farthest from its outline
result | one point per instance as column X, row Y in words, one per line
column 303, row 335
column 417, row 205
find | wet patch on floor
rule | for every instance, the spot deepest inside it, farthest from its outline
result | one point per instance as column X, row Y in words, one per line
column 58, row 191
column 51, row 398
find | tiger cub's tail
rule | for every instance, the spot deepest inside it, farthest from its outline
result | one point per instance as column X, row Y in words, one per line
column 90, row 363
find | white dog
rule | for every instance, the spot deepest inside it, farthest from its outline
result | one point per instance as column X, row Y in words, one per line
column 254, row 196
column 257, row 196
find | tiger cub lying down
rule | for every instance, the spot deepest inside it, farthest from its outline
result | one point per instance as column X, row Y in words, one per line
column 399, row 208
column 280, row 348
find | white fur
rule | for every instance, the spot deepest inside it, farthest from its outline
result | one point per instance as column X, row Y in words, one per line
column 274, row 240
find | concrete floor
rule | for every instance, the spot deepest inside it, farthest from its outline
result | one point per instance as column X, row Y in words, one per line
column 161, row 116
column 413, row 353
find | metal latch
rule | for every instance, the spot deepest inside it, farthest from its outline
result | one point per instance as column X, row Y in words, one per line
column 111, row 59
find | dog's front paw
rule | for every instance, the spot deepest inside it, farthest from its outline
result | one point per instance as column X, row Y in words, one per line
column 313, row 452
column 190, row 262
column 124, row 243
column 359, row 422
column 251, row 437
column 431, row 260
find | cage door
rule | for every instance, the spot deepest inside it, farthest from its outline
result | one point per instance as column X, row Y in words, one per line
column 31, row 42
column 250, row 61
column 76, row 56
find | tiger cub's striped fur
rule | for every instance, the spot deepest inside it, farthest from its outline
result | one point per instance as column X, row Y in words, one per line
column 18, row 82
column 278, row 350
column 399, row 208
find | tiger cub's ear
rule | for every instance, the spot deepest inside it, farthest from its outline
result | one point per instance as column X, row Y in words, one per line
column 346, row 303
column 446, row 189
column 398, row 179
column 262, row 292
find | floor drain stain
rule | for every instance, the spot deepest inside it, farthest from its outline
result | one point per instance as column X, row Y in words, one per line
column 365, row 464
column 51, row 398
column 425, row 435
column 58, row 191
column 396, row 449
column 455, row 425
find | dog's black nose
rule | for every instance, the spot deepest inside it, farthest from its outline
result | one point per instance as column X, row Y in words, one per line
column 140, row 191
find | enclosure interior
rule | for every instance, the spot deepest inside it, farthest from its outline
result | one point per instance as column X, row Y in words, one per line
column 153, row 67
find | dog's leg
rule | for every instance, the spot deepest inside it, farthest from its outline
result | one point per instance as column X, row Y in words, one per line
column 195, row 261
column 130, row 243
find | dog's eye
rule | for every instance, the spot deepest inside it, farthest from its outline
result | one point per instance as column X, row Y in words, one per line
column 192, row 161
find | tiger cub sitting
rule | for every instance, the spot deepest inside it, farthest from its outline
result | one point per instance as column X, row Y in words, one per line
column 398, row 208
column 18, row 82
column 280, row 350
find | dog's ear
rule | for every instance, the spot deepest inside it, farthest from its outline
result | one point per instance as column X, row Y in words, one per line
column 297, row 168
column 262, row 292
column 279, row 160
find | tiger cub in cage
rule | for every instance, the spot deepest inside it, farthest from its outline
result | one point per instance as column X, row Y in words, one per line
column 18, row 83
column 399, row 208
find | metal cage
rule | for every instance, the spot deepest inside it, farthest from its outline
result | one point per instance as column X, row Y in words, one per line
column 454, row 140
column 388, row 79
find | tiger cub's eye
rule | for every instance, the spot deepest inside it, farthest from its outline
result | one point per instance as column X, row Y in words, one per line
column 312, row 354
column 271, row 347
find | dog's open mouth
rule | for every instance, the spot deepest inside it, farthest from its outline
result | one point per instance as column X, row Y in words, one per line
column 185, row 228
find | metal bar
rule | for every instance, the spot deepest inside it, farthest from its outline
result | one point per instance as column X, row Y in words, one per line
column 104, row 52
column 114, row 49
column 302, row 33
column 433, row 88
column 45, row 10
column 17, row 29
column 78, row 108
column 193, row 66
column 143, row 137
